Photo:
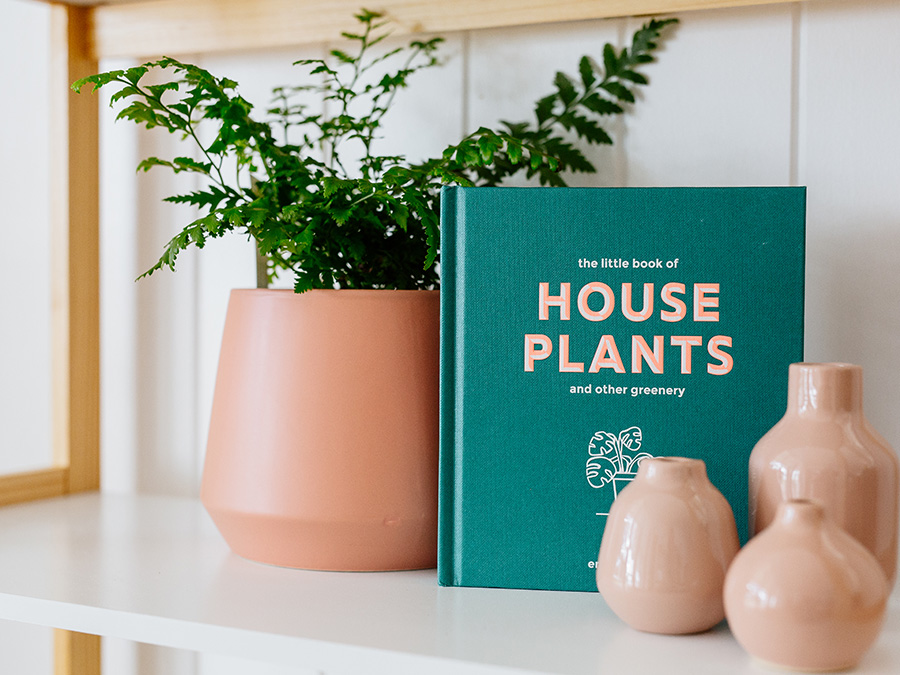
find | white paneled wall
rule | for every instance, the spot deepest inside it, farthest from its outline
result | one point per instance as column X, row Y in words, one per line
column 804, row 94
column 25, row 413
column 849, row 155
column 25, row 441
column 510, row 69
column 785, row 94
column 719, row 108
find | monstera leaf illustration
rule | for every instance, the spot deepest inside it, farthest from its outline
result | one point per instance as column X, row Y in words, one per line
column 612, row 454
column 630, row 439
column 633, row 463
column 600, row 470
column 604, row 444
column 629, row 444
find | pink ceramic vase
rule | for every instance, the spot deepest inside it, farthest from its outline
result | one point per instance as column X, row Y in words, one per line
column 669, row 539
column 804, row 594
column 824, row 449
column 323, row 441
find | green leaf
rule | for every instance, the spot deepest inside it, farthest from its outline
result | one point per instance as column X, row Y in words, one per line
column 331, row 185
column 150, row 162
column 544, row 108
column 619, row 90
column 566, row 88
column 159, row 89
column 590, row 131
column 488, row 143
column 343, row 57
column 514, row 152
column 570, row 157
column 190, row 164
column 312, row 186
column 341, row 216
column 586, row 69
column 134, row 74
column 610, row 62
column 98, row 80
column 633, row 76
column 602, row 106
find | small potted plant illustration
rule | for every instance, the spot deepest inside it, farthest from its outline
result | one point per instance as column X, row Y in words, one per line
column 614, row 458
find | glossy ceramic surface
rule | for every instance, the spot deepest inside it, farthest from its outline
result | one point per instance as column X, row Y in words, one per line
column 669, row 539
column 323, row 442
column 824, row 449
column 804, row 594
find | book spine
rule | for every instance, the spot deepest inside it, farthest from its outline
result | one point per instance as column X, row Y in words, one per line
column 447, row 484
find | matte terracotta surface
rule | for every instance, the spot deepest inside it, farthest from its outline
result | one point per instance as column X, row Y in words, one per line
column 668, row 542
column 824, row 449
column 804, row 594
column 323, row 443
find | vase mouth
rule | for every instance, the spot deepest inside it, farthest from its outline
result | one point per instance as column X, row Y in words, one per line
column 672, row 470
column 826, row 365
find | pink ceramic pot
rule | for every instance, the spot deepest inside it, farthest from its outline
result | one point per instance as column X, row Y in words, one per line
column 669, row 539
column 323, row 442
column 804, row 594
column 824, row 449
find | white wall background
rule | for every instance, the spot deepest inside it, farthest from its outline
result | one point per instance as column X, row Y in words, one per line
column 25, row 440
column 24, row 239
column 788, row 94
column 805, row 94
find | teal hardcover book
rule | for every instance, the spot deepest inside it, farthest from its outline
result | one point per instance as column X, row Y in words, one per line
column 584, row 329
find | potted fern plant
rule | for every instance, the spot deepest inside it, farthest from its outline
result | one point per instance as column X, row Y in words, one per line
column 323, row 443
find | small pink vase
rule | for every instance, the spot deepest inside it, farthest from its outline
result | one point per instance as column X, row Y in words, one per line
column 824, row 449
column 804, row 594
column 323, row 441
column 669, row 539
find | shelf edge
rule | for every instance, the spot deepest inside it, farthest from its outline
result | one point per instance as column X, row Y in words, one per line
column 180, row 27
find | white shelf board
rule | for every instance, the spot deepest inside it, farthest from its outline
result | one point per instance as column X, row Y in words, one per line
column 154, row 570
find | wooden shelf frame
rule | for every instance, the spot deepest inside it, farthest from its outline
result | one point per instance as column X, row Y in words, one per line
column 86, row 31
column 150, row 28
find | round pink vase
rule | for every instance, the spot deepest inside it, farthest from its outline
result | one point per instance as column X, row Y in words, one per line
column 824, row 449
column 804, row 594
column 669, row 539
column 323, row 441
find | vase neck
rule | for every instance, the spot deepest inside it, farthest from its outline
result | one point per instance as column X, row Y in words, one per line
column 800, row 513
column 821, row 389
column 672, row 471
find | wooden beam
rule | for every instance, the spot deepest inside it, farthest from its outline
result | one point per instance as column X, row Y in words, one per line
column 23, row 487
column 178, row 27
column 76, row 289
column 76, row 653
column 76, row 260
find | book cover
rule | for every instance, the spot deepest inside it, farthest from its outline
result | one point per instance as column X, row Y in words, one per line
column 584, row 329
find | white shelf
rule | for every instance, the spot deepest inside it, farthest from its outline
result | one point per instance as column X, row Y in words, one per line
column 153, row 569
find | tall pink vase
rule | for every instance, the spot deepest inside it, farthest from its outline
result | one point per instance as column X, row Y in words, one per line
column 804, row 594
column 824, row 449
column 669, row 539
column 323, row 441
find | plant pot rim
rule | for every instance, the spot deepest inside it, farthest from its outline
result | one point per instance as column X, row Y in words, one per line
column 331, row 291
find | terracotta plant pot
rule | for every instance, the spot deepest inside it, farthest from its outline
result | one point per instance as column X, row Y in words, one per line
column 824, row 449
column 323, row 442
column 804, row 594
column 669, row 539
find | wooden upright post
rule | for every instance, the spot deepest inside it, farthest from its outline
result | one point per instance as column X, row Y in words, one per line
column 76, row 292
column 76, row 259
